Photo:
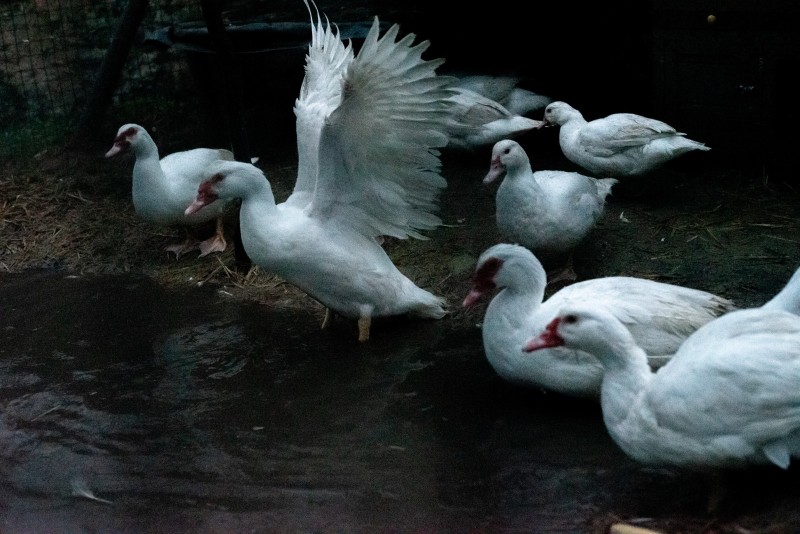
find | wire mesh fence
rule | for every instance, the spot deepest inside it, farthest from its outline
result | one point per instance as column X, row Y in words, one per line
column 52, row 52
column 50, row 55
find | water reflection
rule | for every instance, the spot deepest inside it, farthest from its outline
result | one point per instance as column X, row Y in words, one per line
column 129, row 408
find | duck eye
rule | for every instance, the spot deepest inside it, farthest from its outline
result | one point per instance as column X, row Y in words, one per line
column 570, row 319
column 506, row 151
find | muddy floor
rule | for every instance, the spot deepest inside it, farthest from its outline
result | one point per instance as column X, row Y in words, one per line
column 705, row 221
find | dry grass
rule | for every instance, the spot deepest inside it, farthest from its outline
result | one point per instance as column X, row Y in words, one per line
column 726, row 231
column 721, row 232
column 72, row 211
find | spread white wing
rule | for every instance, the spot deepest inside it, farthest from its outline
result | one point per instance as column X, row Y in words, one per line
column 379, row 162
column 320, row 93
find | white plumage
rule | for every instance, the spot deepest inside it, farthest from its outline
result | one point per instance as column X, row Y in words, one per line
column 659, row 315
column 550, row 212
column 480, row 120
column 505, row 91
column 730, row 397
column 368, row 129
column 162, row 188
column 619, row 145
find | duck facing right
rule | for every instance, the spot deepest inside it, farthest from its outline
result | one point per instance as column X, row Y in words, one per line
column 619, row 145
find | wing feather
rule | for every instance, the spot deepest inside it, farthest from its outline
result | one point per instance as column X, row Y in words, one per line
column 320, row 93
column 755, row 389
column 379, row 166
column 624, row 130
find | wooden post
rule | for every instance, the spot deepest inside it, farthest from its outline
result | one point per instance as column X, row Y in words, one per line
column 228, row 70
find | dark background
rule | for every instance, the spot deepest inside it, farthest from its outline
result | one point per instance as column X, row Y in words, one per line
column 723, row 72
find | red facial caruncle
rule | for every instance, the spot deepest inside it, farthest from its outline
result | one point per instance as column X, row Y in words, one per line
column 547, row 339
column 483, row 280
column 122, row 142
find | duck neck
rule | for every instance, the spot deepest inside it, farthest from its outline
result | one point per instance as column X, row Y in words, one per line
column 521, row 169
column 527, row 289
column 571, row 128
column 145, row 148
column 259, row 200
column 147, row 165
column 514, row 303
column 522, row 284
column 624, row 381
column 788, row 298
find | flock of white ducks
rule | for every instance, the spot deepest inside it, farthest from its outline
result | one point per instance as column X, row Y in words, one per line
column 683, row 377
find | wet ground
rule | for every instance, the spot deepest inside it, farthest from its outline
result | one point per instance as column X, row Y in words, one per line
column 130, row 408
column 134, row 400
column 190, row 411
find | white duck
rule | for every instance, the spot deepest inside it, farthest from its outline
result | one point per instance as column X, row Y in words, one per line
column 619, row 145
column 162, row 188
column 368, row 167
column 730, row 397
column 504, row 90
column 788, row 298
column 550, row 212
column 659, row 315
column 477, row 119
column 480, row 121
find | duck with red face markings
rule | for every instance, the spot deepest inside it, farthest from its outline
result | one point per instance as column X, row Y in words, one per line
column 368, row 166
column 659, row 315
column 161, row 188
column 729, row 397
